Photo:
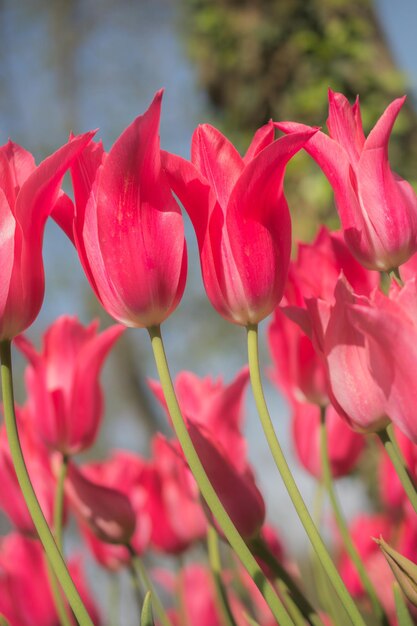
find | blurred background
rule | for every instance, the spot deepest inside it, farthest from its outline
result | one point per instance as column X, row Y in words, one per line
column 80, row 64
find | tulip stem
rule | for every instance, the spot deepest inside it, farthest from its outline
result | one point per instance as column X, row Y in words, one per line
column 390, row 444
column 208, row 492
column 341, row 524
column 137, row 565
column 216, row 571
column 287, row 584
column 59, row 502
column 45, row 535
column 290, row 484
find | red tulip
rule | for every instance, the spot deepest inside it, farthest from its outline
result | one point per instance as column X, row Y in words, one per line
column 65, row 399
column 351, row 361
column 241, row 218
column 127, row 227
column 389, row 328
column 106, row 510
column 215, row 406
column 236, row 489
column 172, row 499
column 27, row 197
column 298, row 372
column 25, row 595
column 377, row 208
column 344, row 445
column 298, row 369
column 122, row 472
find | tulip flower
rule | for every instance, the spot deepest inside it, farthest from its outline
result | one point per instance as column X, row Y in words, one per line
column 127, row 227
column 389, row 328
column 25, row 595
column 122, row 472
column 171, row 500
column 28, row 194
column 344, row 445
column 107, row 511
column 236, row 490
column 240, row 216
column 65, row 399
column 215, row 406
column 377, row 209
column 351, row 361
column 298, row 371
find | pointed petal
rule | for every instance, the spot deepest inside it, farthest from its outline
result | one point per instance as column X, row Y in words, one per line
column 140, row 225
column 16, row 165
column 262, row 138
column 192, row 189
column 390, row 202
column 345, row 126
column 217, row 160
column 394, row 357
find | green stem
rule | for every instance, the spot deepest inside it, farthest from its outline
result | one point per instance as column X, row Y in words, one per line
column 288, row 584
column 216, row 571
column 134, row 579
column 138, row 565
column 59, row 502
column 206, row 488
column 42, row 528
column 289, row 482
column 390, row 444
column 57, row 595
column 342, row 526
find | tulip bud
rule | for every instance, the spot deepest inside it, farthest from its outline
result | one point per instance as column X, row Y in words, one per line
column 404, row 570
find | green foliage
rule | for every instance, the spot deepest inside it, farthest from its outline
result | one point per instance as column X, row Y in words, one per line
column 264, row 59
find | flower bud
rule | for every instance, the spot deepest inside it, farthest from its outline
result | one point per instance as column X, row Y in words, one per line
column 404, row 570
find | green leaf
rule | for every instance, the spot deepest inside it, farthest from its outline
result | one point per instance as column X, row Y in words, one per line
column 146, row 618
column 404, row 617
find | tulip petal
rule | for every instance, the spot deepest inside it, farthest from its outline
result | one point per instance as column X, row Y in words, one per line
column 135, row 209
column 345, row 125
column 193, row 191
column 217, row 160
column 393, row 348
column 262, row 138
column 16, row 165
column 391, row 204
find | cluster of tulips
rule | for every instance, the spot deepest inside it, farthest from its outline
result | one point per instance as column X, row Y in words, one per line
column 343, row 340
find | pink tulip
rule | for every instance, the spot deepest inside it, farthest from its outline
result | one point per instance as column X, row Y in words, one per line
column 107, row 511
column 193, row 590
column 344, row 445
column 124, row 473
column 377, row 208
column 350, row 359
column 127, row 227
column 28, row 194
column 215, row 406
column 65, row 398
column 172, row 500
column 298, row 369
column 25, row 595
column 241, row 218
column 236, row 490
column 388, row 326
column 298, row 372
